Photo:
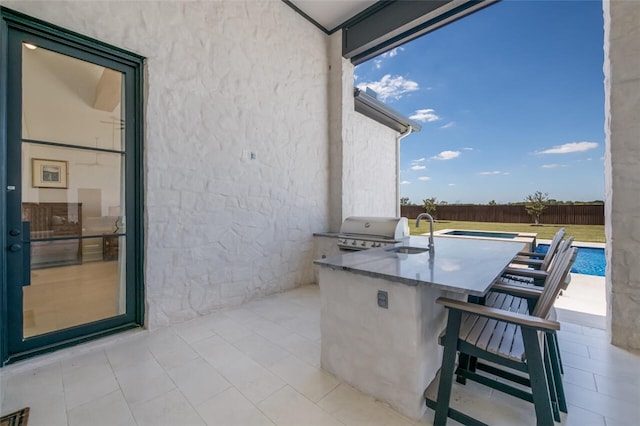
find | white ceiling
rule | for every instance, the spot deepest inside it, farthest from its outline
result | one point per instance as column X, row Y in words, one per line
column 331, row 13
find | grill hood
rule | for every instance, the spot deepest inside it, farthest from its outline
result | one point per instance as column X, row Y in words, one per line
column 391, row 228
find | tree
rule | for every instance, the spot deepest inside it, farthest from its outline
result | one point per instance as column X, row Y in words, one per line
column 429, row 205
column 535, row 204
column 404, row 201
column 493, row 203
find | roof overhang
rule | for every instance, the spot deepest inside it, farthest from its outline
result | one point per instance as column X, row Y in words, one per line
column 370, row 28
column 383, row 114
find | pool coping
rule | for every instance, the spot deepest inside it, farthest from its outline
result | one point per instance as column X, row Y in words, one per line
column 522, row 236
column 525, row 237
column 585, row 244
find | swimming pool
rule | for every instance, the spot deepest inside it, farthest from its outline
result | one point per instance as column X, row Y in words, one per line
column 590, row 260
column 484, row 234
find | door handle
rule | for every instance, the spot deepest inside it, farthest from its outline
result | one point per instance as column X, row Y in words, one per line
column 15, row 248
column 26, row 255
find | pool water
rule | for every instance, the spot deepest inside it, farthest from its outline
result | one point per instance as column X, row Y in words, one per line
column 590, row 261
column 485, row 234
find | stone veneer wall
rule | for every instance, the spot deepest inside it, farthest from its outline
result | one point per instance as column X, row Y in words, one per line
column 221, row 76
column 622, row 170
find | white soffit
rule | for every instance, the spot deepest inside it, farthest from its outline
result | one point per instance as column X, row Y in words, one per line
column 331, row 13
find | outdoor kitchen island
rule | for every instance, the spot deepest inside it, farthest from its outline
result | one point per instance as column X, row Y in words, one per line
column 379, row 319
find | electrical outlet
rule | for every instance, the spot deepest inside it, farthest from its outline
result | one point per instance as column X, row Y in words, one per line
column 249, row 155
column 383, row 299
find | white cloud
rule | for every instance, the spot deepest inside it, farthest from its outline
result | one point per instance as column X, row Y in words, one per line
column 446, row 155
column 425, row 115
column 405, row 182
column 418, row 167
column 390, row 87
column 452, row 184
column 378, row 63
column 467, row 149
column 495, row 172
column 424, row 178
column 570, row 147
column 419, row 160
column 552, row 166
column 393, row 52
column 448, row 125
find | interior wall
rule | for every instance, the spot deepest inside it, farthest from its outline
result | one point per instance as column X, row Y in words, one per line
column 223, row 78
column 622, row 162
column 58, row 106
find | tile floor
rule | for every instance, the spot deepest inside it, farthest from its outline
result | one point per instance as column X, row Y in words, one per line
column 258, row 364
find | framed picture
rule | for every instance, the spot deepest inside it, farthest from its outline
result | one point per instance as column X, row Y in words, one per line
column 49, row 173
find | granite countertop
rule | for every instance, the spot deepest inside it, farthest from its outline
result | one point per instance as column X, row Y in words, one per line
column 459, row 265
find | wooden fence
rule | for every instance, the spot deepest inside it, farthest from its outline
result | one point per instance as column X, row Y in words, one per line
column 562, row 214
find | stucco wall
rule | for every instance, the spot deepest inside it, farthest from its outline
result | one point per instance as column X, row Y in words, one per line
column 363, row 151
column 622, row 167
column 221, row 77
column 369, row 187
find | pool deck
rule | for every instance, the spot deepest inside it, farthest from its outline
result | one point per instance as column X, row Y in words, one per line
column 585, row 300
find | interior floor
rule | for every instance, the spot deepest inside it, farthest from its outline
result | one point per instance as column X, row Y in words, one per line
column 66, row 296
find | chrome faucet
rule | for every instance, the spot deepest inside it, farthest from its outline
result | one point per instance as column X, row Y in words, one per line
column 427, row 215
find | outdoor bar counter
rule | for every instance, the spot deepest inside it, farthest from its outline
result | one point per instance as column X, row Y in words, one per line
column 379, row 320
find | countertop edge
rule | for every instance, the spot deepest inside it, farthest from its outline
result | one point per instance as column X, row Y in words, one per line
column 326, row 234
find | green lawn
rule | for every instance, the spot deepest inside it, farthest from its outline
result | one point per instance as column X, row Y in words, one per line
column 592, row 233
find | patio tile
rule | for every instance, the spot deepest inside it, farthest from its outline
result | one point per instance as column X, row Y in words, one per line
column 287, row 407
column 231, row 408
column 261, row 350
column 124, row 354
column 42, row 390
column 602, row 404
column 228, row 329
column 311, row 382
column 176, row 355
column 198, row 380
column 239, row 368
column 242, row 315
column 305, row 349
column 618, row 389
column 86, row 383
column 578, row 377
column 578, row 416
column 619, row 371
column 354, row 408
column 168, row 409
column 143, row 381
column 253, row 380
column 217, row 351
column 108, row 410
column 193, row 330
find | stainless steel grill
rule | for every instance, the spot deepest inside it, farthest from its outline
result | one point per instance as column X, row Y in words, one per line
column 361, row 233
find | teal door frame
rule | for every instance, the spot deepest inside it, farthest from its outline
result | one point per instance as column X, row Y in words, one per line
column 16, row 28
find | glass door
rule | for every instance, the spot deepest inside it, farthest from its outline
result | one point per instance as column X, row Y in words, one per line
column 71, row 191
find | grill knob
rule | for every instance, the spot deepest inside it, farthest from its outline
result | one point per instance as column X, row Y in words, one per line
column 364, row 244
column 353, row 243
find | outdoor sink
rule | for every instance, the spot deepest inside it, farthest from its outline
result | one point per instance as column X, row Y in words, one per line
column 409, row 250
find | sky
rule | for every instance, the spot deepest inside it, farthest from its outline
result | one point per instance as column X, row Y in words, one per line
column 510, row 99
